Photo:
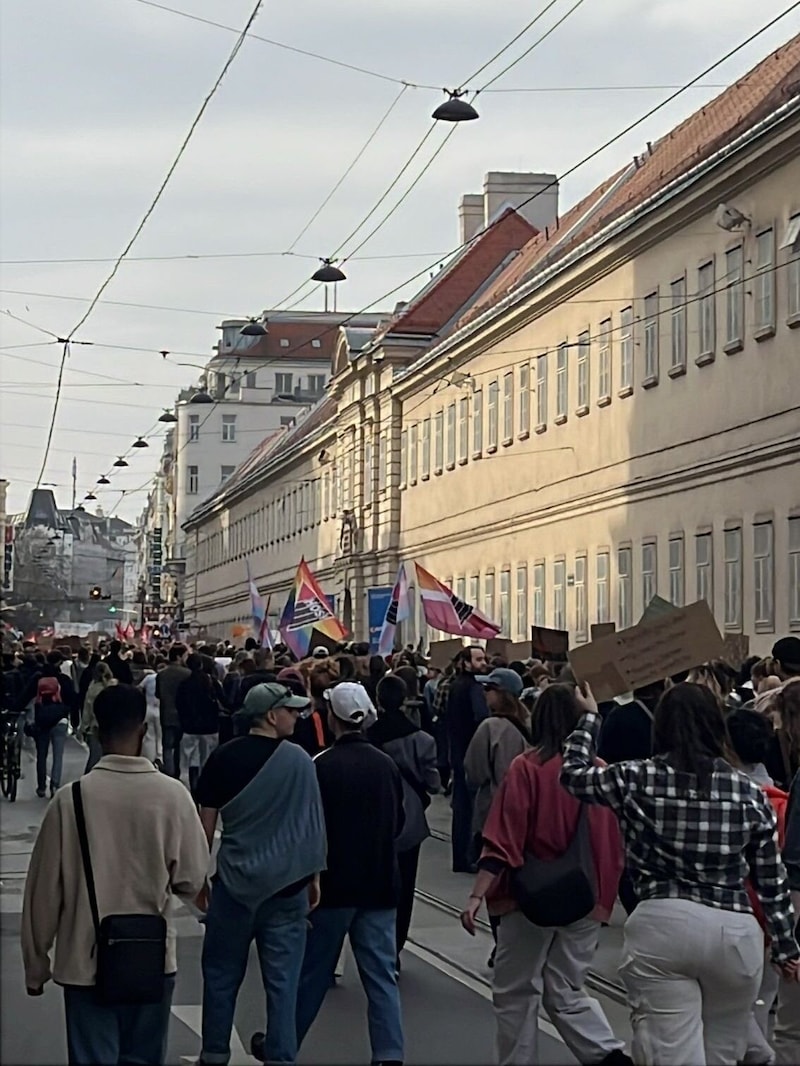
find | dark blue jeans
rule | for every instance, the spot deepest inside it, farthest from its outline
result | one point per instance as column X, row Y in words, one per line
column 110, row 1036
column 373, row 940
column 279, row 928
column 45, row 738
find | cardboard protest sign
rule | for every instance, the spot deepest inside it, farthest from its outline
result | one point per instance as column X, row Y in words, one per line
column 657, row 608
column 648, row 652
column 602, row 629
column 551, row 645
column 735, row 648
column 442, row 652
column 519, row 651
column 498, row 646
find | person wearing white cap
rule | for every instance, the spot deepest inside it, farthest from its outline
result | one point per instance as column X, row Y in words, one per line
column 362, row 795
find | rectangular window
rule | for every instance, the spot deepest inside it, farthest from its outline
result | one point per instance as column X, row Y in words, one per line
column 651, row 339
column 524, row 400
column 793, row 269
column 539, row 592
column 559, row 594
column 678, row 324
column 477, row 422
column 601, row 586
column 413, row 453
column 707, row 309
column 219, row 385
column 794, row 572
column 287, row 420
column 461, row 589
column 474, row 591
column 250, row 380
column 522, row 602
column 649, row 573
column 283, row 384
column 491, row 439
column 764, row 575
column 541, row 392
column 562, row 386
column 488, row 596
column 438, row 442
column 225, row 472
column 508, row 407
column 584, row 348
column 450, row 436
column 426, row 448
column 404, row 458
column 677, row 578
column 463, row 429
column 733, row 579
column 764, row 282
column 194, row 428
column 369, row 485
column 581, row 607
column 316, row 384
column 505, row 603
column 192, row 480
column 382, row 460
column 704, row 568
column 734, row 307
column 234, row 387
column 604, row 380
column 229, row 429
column 626, row 350
column 624, row 588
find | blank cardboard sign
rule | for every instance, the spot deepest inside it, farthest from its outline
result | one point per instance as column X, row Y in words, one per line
column 442, row 652
column 648, row 652
column 602, row 629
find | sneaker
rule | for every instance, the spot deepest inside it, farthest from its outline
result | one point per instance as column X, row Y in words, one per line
column 257, row 1046
column 41, row 793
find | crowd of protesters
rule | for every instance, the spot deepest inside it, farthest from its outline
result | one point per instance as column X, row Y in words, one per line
column 311, row 781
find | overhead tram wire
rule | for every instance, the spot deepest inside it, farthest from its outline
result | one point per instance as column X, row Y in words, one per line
column 688, row 85
column 387, row 192
column 159, row 193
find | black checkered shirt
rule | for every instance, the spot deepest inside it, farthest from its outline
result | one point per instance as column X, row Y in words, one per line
column 682, row 844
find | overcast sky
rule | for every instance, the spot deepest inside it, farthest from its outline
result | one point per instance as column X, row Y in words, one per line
column 96, row 96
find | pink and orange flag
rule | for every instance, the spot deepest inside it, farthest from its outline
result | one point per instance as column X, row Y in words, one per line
column 449, row 614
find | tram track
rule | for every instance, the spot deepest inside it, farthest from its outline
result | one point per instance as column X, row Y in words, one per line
column 597, row 982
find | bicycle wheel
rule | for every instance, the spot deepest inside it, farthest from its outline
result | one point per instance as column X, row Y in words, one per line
column 6, row 772
column 14, row 767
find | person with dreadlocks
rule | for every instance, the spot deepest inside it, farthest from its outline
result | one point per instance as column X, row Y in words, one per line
column 695, row 830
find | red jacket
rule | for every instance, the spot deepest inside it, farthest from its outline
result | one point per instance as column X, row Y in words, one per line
column 532, row 812
column 780, row 801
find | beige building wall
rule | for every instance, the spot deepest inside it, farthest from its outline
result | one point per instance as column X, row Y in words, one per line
column 591, row 497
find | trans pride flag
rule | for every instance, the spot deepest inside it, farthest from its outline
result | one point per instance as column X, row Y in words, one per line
column 447, row 613
column 307, row 609
column 260, row 613
column 397, row 611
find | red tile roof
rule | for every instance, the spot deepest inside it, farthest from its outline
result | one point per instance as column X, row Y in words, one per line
column 458, row 282
column 769, row 85
column 299, row 336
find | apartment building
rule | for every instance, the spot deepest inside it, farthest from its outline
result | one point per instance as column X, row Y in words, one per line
column 608, row 411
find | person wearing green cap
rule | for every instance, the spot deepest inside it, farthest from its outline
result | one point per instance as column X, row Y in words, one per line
column 272, row 852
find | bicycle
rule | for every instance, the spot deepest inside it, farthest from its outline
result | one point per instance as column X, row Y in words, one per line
column 10, row 755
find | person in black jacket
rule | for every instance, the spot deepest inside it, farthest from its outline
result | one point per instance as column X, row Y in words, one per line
column 466, row 709
column 362, row 795
column 119, row 667
column 199, row 704
column 51, row 668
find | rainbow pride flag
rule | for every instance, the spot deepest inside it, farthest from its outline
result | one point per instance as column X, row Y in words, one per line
column 307, row 609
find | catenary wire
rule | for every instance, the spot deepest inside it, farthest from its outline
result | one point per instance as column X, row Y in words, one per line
column 143, row 222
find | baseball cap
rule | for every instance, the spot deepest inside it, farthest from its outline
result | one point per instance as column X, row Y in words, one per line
column 787, row 652
column 320, row 653
column 504, row 679
column 269, row 696
column 350, row 702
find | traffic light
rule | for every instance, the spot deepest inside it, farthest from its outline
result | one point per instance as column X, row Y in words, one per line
column 95, row 593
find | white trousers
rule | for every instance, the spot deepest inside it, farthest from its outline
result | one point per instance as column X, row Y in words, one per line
column 196, row 748
column 151, row 747
column 692, row 974
column 536, row 966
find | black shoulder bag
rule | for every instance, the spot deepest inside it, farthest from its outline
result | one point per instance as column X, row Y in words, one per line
column 560, row 891
column 131, row 948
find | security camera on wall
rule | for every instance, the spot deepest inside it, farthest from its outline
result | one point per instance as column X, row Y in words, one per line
column 730, row 218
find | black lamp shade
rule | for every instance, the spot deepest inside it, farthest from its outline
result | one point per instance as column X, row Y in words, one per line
column 140, row 442
column 103, row 480
column 168, row 416
column 201, row 397
column 90, row 496
column 253, row 329
column 120, row 462
column 328, row 273
column 455, row 110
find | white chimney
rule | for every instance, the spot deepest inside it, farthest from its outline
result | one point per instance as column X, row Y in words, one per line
column 470, row 215
column 502, row 190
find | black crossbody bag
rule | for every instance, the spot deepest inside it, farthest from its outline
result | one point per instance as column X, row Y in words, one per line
column 131, row 949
